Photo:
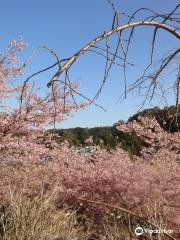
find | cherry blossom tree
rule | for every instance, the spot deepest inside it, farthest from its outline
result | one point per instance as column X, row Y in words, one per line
column 31, row 158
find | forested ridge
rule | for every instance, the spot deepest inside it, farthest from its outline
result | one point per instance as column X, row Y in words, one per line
column 109, row 137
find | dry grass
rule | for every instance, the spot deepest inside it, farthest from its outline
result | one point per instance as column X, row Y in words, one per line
column 37, row 219
column 116, row 230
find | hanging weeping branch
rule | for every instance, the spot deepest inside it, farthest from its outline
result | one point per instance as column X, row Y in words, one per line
column 117, row 55
column 105, row 35
column 167, row 22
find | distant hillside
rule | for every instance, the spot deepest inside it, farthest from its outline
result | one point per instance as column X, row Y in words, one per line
column 110, row 137
column 106, row 137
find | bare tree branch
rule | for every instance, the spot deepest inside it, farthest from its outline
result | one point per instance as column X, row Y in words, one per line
column 124, row 211
column 106, row 35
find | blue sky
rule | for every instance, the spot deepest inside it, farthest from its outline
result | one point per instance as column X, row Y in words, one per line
column 65, row 26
